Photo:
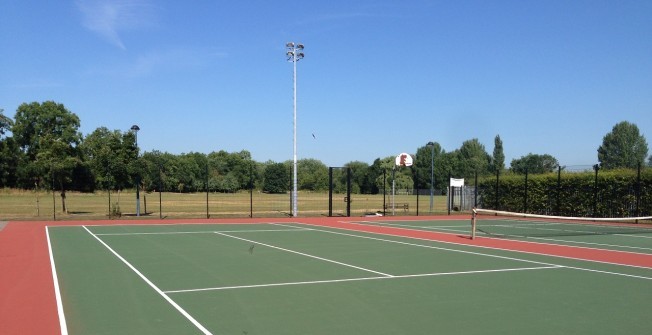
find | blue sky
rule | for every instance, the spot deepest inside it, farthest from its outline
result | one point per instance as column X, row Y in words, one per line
column 379, row 77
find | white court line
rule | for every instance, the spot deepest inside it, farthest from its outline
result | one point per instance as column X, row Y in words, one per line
column 488, row 255
column 307, row 255
column 165, row 296
column 588, row 243
column 428, row 228
column 57, row 291
column 425, row 246
column 204, row 232
column 529, row 237
column 359, row 279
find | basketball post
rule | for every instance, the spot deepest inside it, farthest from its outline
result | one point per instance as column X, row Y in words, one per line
column 402, row 159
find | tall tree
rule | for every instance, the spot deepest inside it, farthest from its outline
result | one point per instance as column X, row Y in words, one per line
column 312, row 175
column 109, row 154
column 276, row 178
column 9, row 153
column 623, row 147
column 473, row 158
column 425, row 163
column 498, row 157
column 533, row 163
column 48, row 135
column 5, row 123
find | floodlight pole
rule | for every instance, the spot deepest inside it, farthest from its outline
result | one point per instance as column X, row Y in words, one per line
column 432, row 172
column 294, row 53
column 135, row 129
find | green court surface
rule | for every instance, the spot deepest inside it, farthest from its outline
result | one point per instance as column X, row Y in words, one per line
column 294, row 278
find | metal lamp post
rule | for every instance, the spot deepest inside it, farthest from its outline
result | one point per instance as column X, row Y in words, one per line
column 432, row 172
column 135, row 129
column 294, row 53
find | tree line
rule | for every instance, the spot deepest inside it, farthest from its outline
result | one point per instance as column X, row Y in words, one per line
column 42, row 148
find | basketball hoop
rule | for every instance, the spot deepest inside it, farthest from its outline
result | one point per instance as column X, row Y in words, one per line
column 404, row 159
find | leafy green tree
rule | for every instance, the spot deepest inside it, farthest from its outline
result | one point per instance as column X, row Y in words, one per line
column 423, row 164
column 533, row 164
column 498, row 157
column 623, row 147
column 48, row 135
column 5, row 123
column 312, row 175
column 276, row 178
column 472, row 158
column 230, row 172
column 109, row 154
column 9, row 153
column 359, row 181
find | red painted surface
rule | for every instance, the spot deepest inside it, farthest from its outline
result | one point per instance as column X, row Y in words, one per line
column 590, row 254
column 27, row 298
column 27, row 301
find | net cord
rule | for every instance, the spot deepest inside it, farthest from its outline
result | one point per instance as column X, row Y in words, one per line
column 477, row 211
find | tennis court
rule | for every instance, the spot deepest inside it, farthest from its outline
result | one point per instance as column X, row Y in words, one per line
column 318, row 278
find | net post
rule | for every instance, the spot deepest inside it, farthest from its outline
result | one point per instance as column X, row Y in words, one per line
column 473, row 222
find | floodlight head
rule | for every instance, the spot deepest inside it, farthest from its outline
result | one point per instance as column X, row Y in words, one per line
column 300, row 55
column 290, row 45
column 135, row 128
column 430, row 144
column 300, row 46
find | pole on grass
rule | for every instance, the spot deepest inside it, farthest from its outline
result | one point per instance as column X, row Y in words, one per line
column 135, row 129
column 294, row 53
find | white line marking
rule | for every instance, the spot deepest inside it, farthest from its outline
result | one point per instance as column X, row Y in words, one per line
column 360, row 279
column 165, row 296
column 307, row 255
column 589, row 243
column 491, row 248
column 57, row 291
column 427, row 246
column 448, row 228
column 204, row 232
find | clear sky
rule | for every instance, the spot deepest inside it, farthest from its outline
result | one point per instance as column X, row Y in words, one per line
column 378, row 78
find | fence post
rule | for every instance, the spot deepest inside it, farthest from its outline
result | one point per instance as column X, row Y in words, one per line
column 638, row 190
column 475, row 191
column 525, row 196
column 251, row 191
column 497, row 190
column 348, row 192
column 558, row 209
column 450, row 195
column 596, row 167
column 160, row 190
column 330, row 191
column 415, row 185
column 384, row 191
column 207, row 213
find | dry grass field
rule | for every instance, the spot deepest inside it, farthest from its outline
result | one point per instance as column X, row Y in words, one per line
column 44, row 205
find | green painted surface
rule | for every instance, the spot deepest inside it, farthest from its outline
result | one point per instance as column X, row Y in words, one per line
column 441, row 288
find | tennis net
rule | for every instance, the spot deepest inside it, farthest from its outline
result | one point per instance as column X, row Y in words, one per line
column 493, row 223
